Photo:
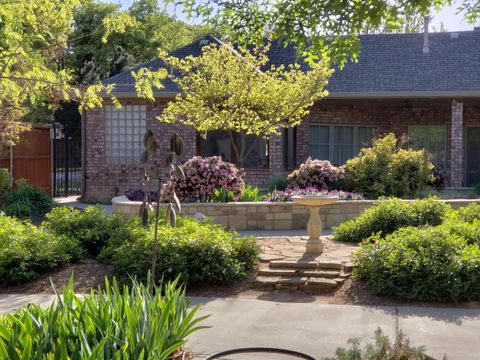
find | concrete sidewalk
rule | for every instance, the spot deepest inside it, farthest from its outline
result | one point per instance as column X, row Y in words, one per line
column 316, row 329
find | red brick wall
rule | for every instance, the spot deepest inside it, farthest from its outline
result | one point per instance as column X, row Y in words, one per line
column 102, row 181
column 388, row 115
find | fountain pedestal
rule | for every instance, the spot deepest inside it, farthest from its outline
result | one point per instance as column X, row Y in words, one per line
column 314, row 225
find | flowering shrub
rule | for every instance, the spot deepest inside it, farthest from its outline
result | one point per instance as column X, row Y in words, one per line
column 286, row 195
column 203, row 175
column 315, row 173
column 138, row 195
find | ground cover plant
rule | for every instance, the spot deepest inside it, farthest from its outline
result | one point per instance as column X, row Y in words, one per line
column 197, row 252
column 286, row 195
column 390, row 215
column 27, row 251
column 116, row 323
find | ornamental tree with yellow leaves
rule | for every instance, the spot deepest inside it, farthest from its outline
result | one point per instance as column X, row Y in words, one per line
column 238, row 91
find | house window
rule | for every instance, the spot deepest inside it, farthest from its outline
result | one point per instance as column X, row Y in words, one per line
column 219, row 143
column 125, row 128
column 338, row 143
column 431, row 138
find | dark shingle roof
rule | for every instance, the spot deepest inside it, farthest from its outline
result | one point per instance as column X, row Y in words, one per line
column 388, row 63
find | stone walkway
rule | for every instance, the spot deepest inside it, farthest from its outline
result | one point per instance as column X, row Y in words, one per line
column 316, row 329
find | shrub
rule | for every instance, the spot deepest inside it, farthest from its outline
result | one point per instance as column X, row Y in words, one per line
column 222, row 195
column 277, row 182
column 286, row 195
column 251, row 193
column 198, row 252
column 5, row 184
column 90, row 227
column 203, row 175
column 381, row 349
column 314, row 173
column 426, row 264
column 386, row 170
column 139, row 194
column 390, row 215
column 468, row 213
column 27, row 250
column 117, row 323
column 27, row 201
column 439, row 178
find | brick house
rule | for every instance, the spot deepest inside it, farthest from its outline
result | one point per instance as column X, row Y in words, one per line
column 426, row 86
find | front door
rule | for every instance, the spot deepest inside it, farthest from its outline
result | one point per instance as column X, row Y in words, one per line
column 473, row 156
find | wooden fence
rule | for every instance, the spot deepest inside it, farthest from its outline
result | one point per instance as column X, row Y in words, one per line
column 31, row 158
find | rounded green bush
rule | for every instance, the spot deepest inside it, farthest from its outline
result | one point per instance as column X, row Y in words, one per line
column 27, row 201
column 390, row 215
column 197, row 252
column 27, row 250
column 426, row 264
column 90, row 227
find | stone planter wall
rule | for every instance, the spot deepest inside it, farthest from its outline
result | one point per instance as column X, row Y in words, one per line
column 264, row 215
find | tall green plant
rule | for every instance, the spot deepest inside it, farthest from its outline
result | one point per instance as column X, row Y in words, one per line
column 116, row 323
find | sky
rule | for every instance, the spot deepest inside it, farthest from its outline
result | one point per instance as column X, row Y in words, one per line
column 448, row 16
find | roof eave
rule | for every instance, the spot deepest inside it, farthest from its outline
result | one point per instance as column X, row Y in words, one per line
column 342, row 95
column 403, row 94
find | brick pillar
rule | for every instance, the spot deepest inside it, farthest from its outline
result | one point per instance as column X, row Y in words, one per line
column 456, row 145
column 275, row 154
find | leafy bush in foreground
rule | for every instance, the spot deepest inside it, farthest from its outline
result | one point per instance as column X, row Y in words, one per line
column 127, row 323
column 468, row 213
column 197, row 252
column 382, row 349
column 426, row 264
column 27, row 201
column 390, row 215
column 90, row 227
column 27, row 251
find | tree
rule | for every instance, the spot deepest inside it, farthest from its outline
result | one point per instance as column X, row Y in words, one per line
column 33, row 35
column 151, row 29
column 239, row 92
column 318, row 27
column 412, row 23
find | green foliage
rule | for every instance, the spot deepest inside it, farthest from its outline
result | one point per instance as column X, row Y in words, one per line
column 90, row 227
column 387, row 170
column 223, row 195
column 468, row 213
column 27, row 201
column 277, row 182
column 381, row 349
column 251, row 193
column 149, row 29
column 197, row 252
column 26, row 251
column 306, row 23
column 426, row 264
column 116, row 323
column 390, row 215
column 5, row 184
column 214, row 98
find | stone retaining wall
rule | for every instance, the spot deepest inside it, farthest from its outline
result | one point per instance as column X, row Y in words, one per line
column 265, row 215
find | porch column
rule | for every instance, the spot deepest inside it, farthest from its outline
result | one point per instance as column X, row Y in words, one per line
column 457, row 170
column 275, row 154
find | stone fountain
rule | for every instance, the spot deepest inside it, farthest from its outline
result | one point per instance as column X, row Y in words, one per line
column 314, row 225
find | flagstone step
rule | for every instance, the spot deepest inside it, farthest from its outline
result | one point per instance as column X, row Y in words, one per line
column 306, row 264
column 297, row 282
column 300, row 273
